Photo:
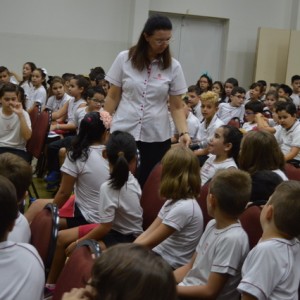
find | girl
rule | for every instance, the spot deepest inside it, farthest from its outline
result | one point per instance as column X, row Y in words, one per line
column 204, row 83
column 84, row 170
column 39, row 92
column 224, row 147
column 26, row 83
column 78, row 90
column 129, row 271
column 119, row 205
column 176, row 231
column 218, row 88
column 229, row 84
column 260, row 151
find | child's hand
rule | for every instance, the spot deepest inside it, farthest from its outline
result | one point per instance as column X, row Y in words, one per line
column 17, row 108
column 70, row 248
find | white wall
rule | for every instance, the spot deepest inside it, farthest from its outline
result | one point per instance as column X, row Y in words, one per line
column 75, row 35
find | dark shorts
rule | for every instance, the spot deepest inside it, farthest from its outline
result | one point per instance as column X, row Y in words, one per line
column 77, row 220
column 114, row 237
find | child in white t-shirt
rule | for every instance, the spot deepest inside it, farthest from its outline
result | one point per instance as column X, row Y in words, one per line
column 251, row 109
column 224, row 148
column 271, row 269
column 22, row 272
column 235, row 108
column 176, row 231
column 194, row 101
column 214, row 271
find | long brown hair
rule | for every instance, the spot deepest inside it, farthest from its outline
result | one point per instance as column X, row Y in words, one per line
column 260, row 151
column 138, row 54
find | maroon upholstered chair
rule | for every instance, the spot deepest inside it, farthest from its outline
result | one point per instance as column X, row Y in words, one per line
column 202, row 202
column 250, row 220
column 151, row 201
column 292, row 172
column 44, row 230
column 235, row 122
column 77, row 270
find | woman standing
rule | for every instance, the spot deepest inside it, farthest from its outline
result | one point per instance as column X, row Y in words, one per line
column 143, row 79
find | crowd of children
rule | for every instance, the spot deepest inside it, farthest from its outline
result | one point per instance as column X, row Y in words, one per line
column 240, row 142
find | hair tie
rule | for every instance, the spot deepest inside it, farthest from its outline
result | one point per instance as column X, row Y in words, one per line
column 121, row 153
column 89, row 119
column 106, row 118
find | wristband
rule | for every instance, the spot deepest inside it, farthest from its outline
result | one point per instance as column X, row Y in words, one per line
column 183, row 133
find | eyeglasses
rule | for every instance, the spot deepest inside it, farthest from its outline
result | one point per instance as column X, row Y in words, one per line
column 249, row 113
column 97, row 100
column 160, row 42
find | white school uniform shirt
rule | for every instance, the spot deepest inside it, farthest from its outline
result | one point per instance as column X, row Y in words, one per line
column 289, row 138
column 196, row 110
column 185, row 216
column 210, row 167
column 271, row 270
column 143, row 110
column 28, row 88
column 21, row 232
column 296, row 99
column 89, row 174
column 247, row 126
column 22, row 274
column 220, row 251
column 55, row 104
column 193, row 125
column 122, row 207
column 37, row 95
column 226, row 112
column 10, row 130
column 72, row 108
column 206, row 134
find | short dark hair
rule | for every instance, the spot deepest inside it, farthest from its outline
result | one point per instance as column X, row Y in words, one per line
column 294, row 78
column 232, row 81
column 8, row 87
column 289, row 107
column 232, row 189
column 18, row 171
column 286, row 89
column 9, row 206
column 286, row 203
column 194, row 89
column 255, row 106
column 238, row 89
column 3, row 69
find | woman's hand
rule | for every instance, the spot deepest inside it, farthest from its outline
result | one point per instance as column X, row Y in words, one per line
column 76, row 294
column 185, row 140
column 71, row 248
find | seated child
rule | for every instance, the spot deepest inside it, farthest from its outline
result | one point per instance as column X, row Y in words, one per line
column 288, row 135
column 144, row 276
column 229, row 85
column 235, row 108
column 295, row 81
column 19, row 172
column 209, row 124
column 194, row 101
column 284, row 90
column 21, row 269
column 214, row 270
column 14, row 122
column 255, row 93
column 5, row 76
column 271, row 269
column 176, row 231
column 224, row 149
column 251, row 109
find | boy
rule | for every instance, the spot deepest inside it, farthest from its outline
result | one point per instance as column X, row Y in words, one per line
column 251, row 109
column 271, row 270
column 5, row 77
column 284, row 90
column 194, row 101
column 14, row 122
column 288, row 134
column 295, row 80
column 209, row 124
column 19, row 172
column 214, row 271
column 235, row 108
column 22, row 273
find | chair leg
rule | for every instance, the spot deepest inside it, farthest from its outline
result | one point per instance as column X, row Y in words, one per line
column 34, row 191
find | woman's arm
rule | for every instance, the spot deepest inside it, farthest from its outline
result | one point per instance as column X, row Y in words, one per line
column 65, row 190
column 155, row 235
column 112, row 99
column 177, row 112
